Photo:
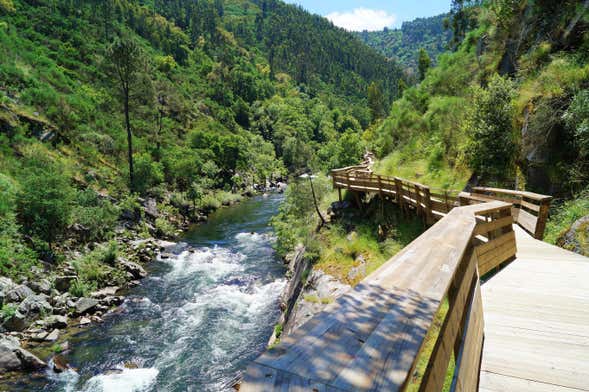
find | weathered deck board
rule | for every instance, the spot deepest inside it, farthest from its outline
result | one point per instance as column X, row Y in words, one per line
column 537, row 321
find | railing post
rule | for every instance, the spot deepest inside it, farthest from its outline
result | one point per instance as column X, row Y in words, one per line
column 399, row 191
column 418, row 208
column 428, row 206
column 348, row 180
column 542, row 218
column 379, row 185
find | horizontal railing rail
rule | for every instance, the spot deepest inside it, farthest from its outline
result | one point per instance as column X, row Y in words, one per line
column 529, row 210
column 372, row 337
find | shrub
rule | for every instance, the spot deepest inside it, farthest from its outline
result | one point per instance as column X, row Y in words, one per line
column 97, row 215
column 81, row 288
column 45, row 199
column 7, row 311
column 147, row 173
column 491, row 150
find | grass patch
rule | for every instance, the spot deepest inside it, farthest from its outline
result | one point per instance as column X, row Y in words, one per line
column 564, row 216
column 438, row 176
column 426, row 352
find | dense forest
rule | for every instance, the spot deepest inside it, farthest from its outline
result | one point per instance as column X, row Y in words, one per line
column 125, row 120
column 201, row 97
column 431, row 34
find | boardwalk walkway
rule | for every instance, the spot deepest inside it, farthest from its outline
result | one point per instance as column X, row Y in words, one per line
column 536, row 313
column 517, row 315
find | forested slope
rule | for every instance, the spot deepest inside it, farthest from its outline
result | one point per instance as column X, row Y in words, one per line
column 220, row 95
column 404, row 44
column 509, row 105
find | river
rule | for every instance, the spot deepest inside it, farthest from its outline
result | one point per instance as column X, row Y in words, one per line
column 195, row 322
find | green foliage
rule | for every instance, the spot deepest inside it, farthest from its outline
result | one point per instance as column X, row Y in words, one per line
column 7, row 311
column 577, row 119
column 148, row 173
column 45, row 198
column 423, row 63
column 95, row 268
column 403, row 44
column 81, row 288
column 95, row 214
column 564, row 216
column 491, row 150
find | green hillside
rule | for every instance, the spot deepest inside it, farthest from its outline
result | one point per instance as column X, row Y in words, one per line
column 404, row 44
column 218, row 100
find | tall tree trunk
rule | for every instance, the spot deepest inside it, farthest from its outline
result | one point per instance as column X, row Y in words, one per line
column 129, row 142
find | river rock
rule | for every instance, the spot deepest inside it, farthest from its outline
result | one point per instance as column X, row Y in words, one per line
column 134, row 269
column 16, row 322
column 28, row 360
column 53, row 336
column 60, row 364
column 576, row 238
column 56, row 321
column 85, row 305
column 34, row 306
column 62, row 283
column 42, row 286
column 105, row 292
column 6, row 284
column 84, row 321
column 18, row 293
column 8, row 358
column 150, row 208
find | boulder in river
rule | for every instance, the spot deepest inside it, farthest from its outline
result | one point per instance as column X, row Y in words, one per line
column 29, row 361
column 85, row 305
column 60, row 364
column 52, row 336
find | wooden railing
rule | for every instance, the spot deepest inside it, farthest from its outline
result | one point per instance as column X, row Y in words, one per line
column 530, row 210
column 372, row 337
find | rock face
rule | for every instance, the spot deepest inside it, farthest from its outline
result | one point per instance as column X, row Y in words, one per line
column 85, row 305
column 576, row 238
column 134, row 269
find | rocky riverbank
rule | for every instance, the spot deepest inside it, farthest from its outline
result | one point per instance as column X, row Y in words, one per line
column 41, row 310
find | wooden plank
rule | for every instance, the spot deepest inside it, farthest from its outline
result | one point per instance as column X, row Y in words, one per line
column 494, row 382
column 493, row 244
column 484, row 228
column 435, row 374
column 468, row 362
column 527, row 221
column 530, row 195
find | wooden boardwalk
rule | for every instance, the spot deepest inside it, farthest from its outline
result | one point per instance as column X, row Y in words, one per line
column 518, row 308
column 536, row 312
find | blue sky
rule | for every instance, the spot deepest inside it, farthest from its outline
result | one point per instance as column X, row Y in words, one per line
column 373, row 14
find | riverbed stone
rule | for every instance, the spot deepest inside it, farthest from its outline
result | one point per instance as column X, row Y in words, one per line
column 18, row 293
column 52, row 336
column 17, row 322
column 135, row 270
column 35, row 306
column 28, row 360
column 56, row 321
column 62, row 283
column 85, row 305
column 8, row 358
column 41, row 286
column 84, row 321
column 105, row 292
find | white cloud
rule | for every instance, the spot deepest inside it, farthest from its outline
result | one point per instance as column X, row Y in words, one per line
column 362, row 19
